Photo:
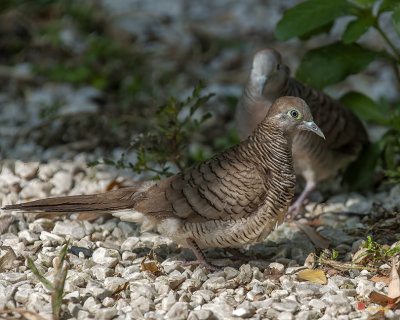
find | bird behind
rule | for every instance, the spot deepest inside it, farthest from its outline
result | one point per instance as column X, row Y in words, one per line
column 234, row 198
column 314, row 159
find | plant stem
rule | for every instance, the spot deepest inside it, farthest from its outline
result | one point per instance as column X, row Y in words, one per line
column 390, row 43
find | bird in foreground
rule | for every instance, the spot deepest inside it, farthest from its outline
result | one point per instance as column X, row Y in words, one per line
column 314, row 159
column 234, row 198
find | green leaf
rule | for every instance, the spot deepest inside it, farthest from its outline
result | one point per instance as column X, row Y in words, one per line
column 42, row 279
column 364, row 3
column 364, row 107
column 310, row 15
column 333, row 63
column 396, row 20
column 357, row 28
column 326, row 28
column 388, row 5
column 359, row 173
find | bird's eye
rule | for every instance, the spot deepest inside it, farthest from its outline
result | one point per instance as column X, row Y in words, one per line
column 294, row 114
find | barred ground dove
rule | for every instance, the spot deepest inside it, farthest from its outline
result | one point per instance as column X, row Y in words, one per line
column 234, row 198
column 314, row 159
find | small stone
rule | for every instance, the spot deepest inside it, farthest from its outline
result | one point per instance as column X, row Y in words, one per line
column 108, row 302
column 9, row 240
column 95, row 289
column 200, row 274
column 285, row 316
column 130, row 243
column 215, row 284
column 26, row 170
column 317, row 304
column 277, row 266
column 113, row 283
column 106, row 257
column 42, row 224
column 101, row 272
column 144, row 304
column 53, row 239
column 170, row 266
column 286, row 305
column 220, row 310
column 230, row 273
column 106, row 313
column 200, row 315
column 364, row 287
column 62, row 182
column 279, row 293
column 27, row 237
column 179, row 311
column 69, row 228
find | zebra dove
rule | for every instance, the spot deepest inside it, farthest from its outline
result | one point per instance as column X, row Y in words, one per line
column 314, row 159
column 234, row 198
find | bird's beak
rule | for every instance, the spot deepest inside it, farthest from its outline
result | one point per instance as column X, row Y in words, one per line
column 311, row 126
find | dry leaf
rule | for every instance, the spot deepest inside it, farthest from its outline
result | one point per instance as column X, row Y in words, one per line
column 7, row 260
column 316, row 276
column 394, row 282
column 5, row 221
column 310, row 261
column 380, row 279
column 314, row 236
column 378, row 297
column 150, row 266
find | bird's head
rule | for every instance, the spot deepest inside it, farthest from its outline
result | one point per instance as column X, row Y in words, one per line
column 268, row 72
column 292, row 115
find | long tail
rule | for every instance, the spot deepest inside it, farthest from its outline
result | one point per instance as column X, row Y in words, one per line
column 115, row 200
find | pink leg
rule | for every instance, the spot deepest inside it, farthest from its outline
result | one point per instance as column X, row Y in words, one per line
column 201, row 258
column 295, row 208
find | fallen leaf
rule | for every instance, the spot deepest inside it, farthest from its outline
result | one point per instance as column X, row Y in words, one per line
column 317, row 276
column 314, row 236
column 316, row 222
column 5, row 221
column 310, row 261
column 380, row 279
column 378, row 297
column 114, row 184
column 7, row 260
column 394, row 282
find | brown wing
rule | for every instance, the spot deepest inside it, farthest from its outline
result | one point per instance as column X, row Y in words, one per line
column 222, row 187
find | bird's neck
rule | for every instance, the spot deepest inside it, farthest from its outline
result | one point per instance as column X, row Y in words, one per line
column 272, row 148
column 253, row 90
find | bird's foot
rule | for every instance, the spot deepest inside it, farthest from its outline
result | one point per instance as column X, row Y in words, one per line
column 294, row 209
column 201, row 258
column 205, row 263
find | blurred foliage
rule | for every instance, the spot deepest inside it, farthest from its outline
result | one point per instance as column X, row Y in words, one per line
column 73, row 42
column 166, row 147
column 340, row 59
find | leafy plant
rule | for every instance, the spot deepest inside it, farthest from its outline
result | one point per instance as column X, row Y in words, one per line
column 378, row 251
column 57, row 286
column 166, row 147
column 332, row 63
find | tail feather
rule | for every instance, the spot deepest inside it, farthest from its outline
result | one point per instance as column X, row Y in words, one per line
column 109, row 201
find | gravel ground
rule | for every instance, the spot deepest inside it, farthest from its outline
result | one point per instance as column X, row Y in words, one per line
column 110, row 283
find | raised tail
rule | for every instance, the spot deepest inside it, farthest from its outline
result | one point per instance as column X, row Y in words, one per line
column 110, row 201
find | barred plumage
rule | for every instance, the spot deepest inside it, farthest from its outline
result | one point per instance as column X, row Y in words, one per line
column 314, row 159
column 234, row 198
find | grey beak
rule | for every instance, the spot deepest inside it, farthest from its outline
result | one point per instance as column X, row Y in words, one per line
column 311, row 126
